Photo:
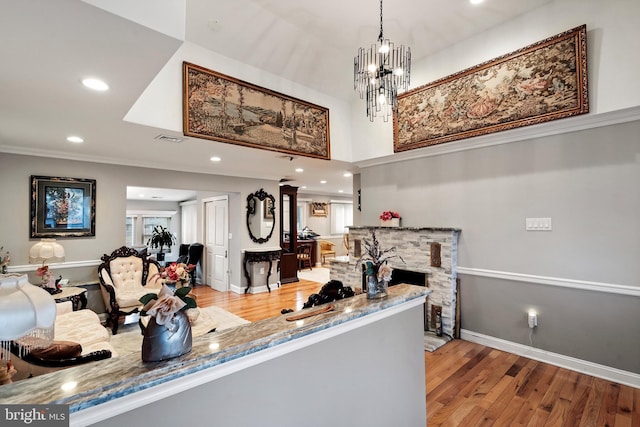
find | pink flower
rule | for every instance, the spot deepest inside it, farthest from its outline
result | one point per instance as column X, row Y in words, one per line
column 387, row 215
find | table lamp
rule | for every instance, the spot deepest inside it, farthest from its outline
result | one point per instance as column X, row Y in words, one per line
column 43, row 251
column 27, row 315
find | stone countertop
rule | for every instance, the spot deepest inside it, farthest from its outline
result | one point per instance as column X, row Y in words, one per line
column 106, row 380
column 368, row 227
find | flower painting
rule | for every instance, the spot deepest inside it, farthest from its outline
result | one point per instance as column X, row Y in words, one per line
column 62, row 207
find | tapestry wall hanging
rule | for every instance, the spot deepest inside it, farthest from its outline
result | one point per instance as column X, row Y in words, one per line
column 63, row 207
column 538, row 83
column 225, row 109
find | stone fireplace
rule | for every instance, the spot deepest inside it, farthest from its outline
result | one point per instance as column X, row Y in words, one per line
column 430, row 256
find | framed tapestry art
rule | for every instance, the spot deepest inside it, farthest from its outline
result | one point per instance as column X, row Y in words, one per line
column 319, row 209
column 225, row 109
column 62, row 207
column 538, row 83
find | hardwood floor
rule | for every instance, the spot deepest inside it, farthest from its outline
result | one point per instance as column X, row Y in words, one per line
column 470, row 385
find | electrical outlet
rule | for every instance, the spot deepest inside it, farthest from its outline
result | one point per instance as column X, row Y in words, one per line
column 532, row 319
column 261, row 270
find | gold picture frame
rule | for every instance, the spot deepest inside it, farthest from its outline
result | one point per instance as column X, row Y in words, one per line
column 538, row 83
column 319, row 209
column 221, row 108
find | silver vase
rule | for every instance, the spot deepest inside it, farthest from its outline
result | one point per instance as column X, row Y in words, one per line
column 161, row 342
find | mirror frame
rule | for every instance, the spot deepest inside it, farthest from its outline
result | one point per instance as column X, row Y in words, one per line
column 251, row 210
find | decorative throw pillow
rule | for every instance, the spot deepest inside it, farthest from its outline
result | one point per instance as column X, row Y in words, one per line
column 58, row 350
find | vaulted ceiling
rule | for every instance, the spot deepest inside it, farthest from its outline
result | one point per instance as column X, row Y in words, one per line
column 49, row 46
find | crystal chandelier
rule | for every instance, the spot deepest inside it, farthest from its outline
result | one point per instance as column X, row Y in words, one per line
column 379, row 72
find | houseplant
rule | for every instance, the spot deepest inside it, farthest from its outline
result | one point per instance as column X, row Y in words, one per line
column 161, row 237
column 377, row 272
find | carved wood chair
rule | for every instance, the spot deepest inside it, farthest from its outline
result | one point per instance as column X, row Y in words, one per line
column 125, row 276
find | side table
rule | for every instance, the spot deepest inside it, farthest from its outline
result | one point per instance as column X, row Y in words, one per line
column 75, row 294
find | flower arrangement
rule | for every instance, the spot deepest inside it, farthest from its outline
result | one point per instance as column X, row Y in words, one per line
column 166, row 303
column 375, row 260
column 178, row 272
column 387, row 215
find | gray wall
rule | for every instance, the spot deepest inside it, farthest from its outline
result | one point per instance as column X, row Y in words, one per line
column 587, row 182
column 371, row 376
column 111, row 183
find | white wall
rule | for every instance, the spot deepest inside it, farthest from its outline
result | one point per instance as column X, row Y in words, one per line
column 613, row 38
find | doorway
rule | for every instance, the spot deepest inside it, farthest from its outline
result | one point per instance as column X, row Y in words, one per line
column 216, row 237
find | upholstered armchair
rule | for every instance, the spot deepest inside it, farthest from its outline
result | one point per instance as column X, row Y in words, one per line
column 326, row 250
column 125, row 276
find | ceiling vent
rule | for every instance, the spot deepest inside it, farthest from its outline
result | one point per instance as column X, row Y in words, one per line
column 168, row 138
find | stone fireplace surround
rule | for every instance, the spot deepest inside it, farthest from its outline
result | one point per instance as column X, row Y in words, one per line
column 413, row 244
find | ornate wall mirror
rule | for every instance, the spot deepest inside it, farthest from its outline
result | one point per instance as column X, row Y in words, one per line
column 261, row 209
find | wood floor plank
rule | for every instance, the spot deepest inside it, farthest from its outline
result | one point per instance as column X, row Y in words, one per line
column 470, row 385
column 607, row 414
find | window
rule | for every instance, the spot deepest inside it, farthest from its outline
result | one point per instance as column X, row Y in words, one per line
column 301, row 216
column 341, row 216
column 139, row 226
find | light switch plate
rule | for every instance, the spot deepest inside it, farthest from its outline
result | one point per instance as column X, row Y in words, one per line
column 538, row 224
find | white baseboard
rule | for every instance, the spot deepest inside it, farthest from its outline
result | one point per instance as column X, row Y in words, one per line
column 601, row 371
column 253, row 289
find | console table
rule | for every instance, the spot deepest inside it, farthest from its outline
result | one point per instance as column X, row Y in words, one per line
column 253, row 256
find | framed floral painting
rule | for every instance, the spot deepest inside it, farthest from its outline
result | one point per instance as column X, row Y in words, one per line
column 63, row 207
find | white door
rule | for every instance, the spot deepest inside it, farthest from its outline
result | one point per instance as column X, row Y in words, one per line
column 217, row 243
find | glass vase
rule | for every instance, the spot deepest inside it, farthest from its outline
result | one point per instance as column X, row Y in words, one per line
column 376, row 289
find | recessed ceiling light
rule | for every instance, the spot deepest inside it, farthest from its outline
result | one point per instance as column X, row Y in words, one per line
column 340, row 191
column 303, row 187
column 215, row 159
column 141, row 195
column 95, row 84
column 475, row 1
column 323, row 182
column 75, row 139
column 299, row 170
column 347, row 174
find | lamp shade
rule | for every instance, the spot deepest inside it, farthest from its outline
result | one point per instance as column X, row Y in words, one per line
column 27, row 313
column 46, row 250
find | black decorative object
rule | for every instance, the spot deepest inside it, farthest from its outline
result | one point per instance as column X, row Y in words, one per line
column 331, row 291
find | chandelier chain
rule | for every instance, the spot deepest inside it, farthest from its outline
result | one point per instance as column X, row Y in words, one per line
column 381, row 36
